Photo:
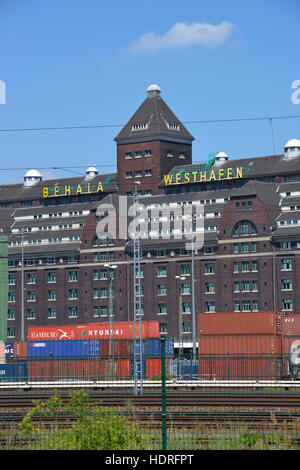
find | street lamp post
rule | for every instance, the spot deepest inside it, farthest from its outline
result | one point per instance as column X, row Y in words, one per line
column 180, row 338
column 111, row 269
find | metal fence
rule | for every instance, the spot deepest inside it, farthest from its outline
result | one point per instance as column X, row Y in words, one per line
column 211, row 401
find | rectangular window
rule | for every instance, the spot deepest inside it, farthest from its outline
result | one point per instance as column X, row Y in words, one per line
column 209, row 268
column 104, row 310
column 103, row 274
column 287, row 304
column 245, row 247
column 31, row 278
column 161, row 253
column 103, row 292
column 51, row 277
column 185, row 269
column 236, row 248
column 96, row 311
column 254, row 286
column 287, row 284
column 254, row 247
column 148, row 172
column 128, row 155
column 138, row 154
column 11, row 279
column 96, row 292
column 186, row 307
column 236, row 267
column 161, row 271
column 185, row 288
column 162, row 289
column 210, row 287
column 11, row 296
column 255, row 305
column 103, row 256
column 162, row 308
column 72, row 312
column 72, row 276
column 52, row 312
column 138, row 174
column 254, row 266
column 30, row 313
column 236, row 286
column 72, row 293
column 11, row 314
column 245, row 286
column 52, row 294
column 163, row 328
column 31, row 295
column 286, row 264
column 237, row 306
column 128, row 174
column 148, row 153
column 245, row 266
column 186, row 327
column 210, row 307
column 285, row 245
column 246, row 305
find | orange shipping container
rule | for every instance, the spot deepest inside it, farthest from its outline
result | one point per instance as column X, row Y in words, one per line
column 232, row 323
column 239, row 367
column 239, row 344
column 121, row 330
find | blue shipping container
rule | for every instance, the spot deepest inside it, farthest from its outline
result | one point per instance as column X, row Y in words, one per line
column 138, row 365
column 188, row 370
column 9, row 350
column 63, row 349
column 137, row 348
column 13, row 372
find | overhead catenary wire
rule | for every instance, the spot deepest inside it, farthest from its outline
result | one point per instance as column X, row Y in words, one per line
column 103, row 126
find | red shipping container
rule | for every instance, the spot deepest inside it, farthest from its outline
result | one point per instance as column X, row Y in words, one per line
column 121, row 330
column 238, row 367
column 238, row 323
column 290, row 324
column 153, row 367
column 20, row 349
column 122, row 369
column 120, row 348
column 239, row 344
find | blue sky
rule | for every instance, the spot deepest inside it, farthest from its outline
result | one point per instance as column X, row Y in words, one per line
column 80, row 63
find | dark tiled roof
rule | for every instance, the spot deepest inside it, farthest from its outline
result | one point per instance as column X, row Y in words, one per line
column 154, row 119
column 19, row 192
column 267, row 166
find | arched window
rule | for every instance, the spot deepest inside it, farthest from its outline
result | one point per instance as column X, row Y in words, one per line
column 244, row 228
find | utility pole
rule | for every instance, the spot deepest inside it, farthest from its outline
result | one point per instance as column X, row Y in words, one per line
column 111, row 269
column 180, row 331
column 138, row 357
column 22, row 286
column 193, row 303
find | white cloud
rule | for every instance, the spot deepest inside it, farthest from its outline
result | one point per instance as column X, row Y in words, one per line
column 183, row 34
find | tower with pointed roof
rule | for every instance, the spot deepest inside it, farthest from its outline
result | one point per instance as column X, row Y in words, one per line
column 152, row 142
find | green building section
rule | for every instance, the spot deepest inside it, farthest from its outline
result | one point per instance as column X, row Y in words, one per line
column 3, row 286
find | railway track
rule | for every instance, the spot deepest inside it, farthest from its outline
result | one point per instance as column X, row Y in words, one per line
column 152, row 399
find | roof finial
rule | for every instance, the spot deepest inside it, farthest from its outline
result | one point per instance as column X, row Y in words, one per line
column 153, row 90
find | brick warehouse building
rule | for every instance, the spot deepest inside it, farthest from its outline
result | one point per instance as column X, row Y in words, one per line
column 251, row 227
